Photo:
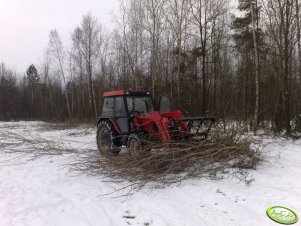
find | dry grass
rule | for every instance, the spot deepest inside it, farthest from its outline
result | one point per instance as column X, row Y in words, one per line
column 33, row 146
column 58, row 126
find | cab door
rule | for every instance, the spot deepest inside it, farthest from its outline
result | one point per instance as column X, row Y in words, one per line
column 120, row 114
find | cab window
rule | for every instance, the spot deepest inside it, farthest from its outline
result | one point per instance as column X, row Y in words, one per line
column 138, row 104
column 120, row 107
column 108, row 106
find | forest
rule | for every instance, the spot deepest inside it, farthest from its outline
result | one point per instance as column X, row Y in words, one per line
column 237, row 62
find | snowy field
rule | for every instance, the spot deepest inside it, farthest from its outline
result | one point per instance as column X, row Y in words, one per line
column 38, row 191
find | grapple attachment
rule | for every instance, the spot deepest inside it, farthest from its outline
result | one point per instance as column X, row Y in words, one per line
column 196, row 128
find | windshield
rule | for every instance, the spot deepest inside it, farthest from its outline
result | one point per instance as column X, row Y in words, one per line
column 142, row 104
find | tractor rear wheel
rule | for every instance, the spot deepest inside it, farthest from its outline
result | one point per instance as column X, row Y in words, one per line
column 107, row 141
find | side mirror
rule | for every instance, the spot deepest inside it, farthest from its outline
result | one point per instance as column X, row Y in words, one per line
column 164, row 104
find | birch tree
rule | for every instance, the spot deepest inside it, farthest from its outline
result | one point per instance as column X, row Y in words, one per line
column 87, row 40
column 177, row 16
column 58, row 54
column 154, row 26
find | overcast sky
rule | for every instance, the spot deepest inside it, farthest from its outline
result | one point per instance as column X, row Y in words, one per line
column 25, row 25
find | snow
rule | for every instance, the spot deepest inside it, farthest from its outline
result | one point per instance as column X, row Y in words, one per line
column 43, row 191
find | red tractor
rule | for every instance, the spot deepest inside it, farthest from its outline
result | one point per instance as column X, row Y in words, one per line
column 129, row 119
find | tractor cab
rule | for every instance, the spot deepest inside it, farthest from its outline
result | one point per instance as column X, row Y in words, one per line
column 121, row 105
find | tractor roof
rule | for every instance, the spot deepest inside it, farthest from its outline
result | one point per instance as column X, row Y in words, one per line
column 126, row 92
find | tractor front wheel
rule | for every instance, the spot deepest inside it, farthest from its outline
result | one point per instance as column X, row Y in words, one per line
column 134, row 145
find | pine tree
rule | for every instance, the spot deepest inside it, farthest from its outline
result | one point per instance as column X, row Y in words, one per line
column 33, row 79
column 248, row 39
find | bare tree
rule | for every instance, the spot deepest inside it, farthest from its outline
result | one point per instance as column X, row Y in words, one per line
column 87, row 40
column 153, row 25
column 79, row 70
column 204, row 13
column 133, row 43
column 57, row 51
column 177, row 15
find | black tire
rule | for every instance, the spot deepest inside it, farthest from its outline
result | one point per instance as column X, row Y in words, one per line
column 134, row 145
column 138, row 144
column 106, row 138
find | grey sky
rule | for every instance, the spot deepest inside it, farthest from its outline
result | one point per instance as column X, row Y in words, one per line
column 25, row 25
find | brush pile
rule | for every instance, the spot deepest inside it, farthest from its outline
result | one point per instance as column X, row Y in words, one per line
column 221, row 154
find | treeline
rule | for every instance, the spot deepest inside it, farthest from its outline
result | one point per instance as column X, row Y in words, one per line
column 239, row 64
column 26, row 98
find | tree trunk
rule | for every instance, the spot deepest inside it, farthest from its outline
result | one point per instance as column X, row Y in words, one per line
column 256, row 113
column 32, row 96
column 298, row 37
column 94, row 101
column 204, row 92
column 68, row 105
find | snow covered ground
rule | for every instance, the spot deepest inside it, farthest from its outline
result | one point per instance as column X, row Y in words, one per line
column 42, row 191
